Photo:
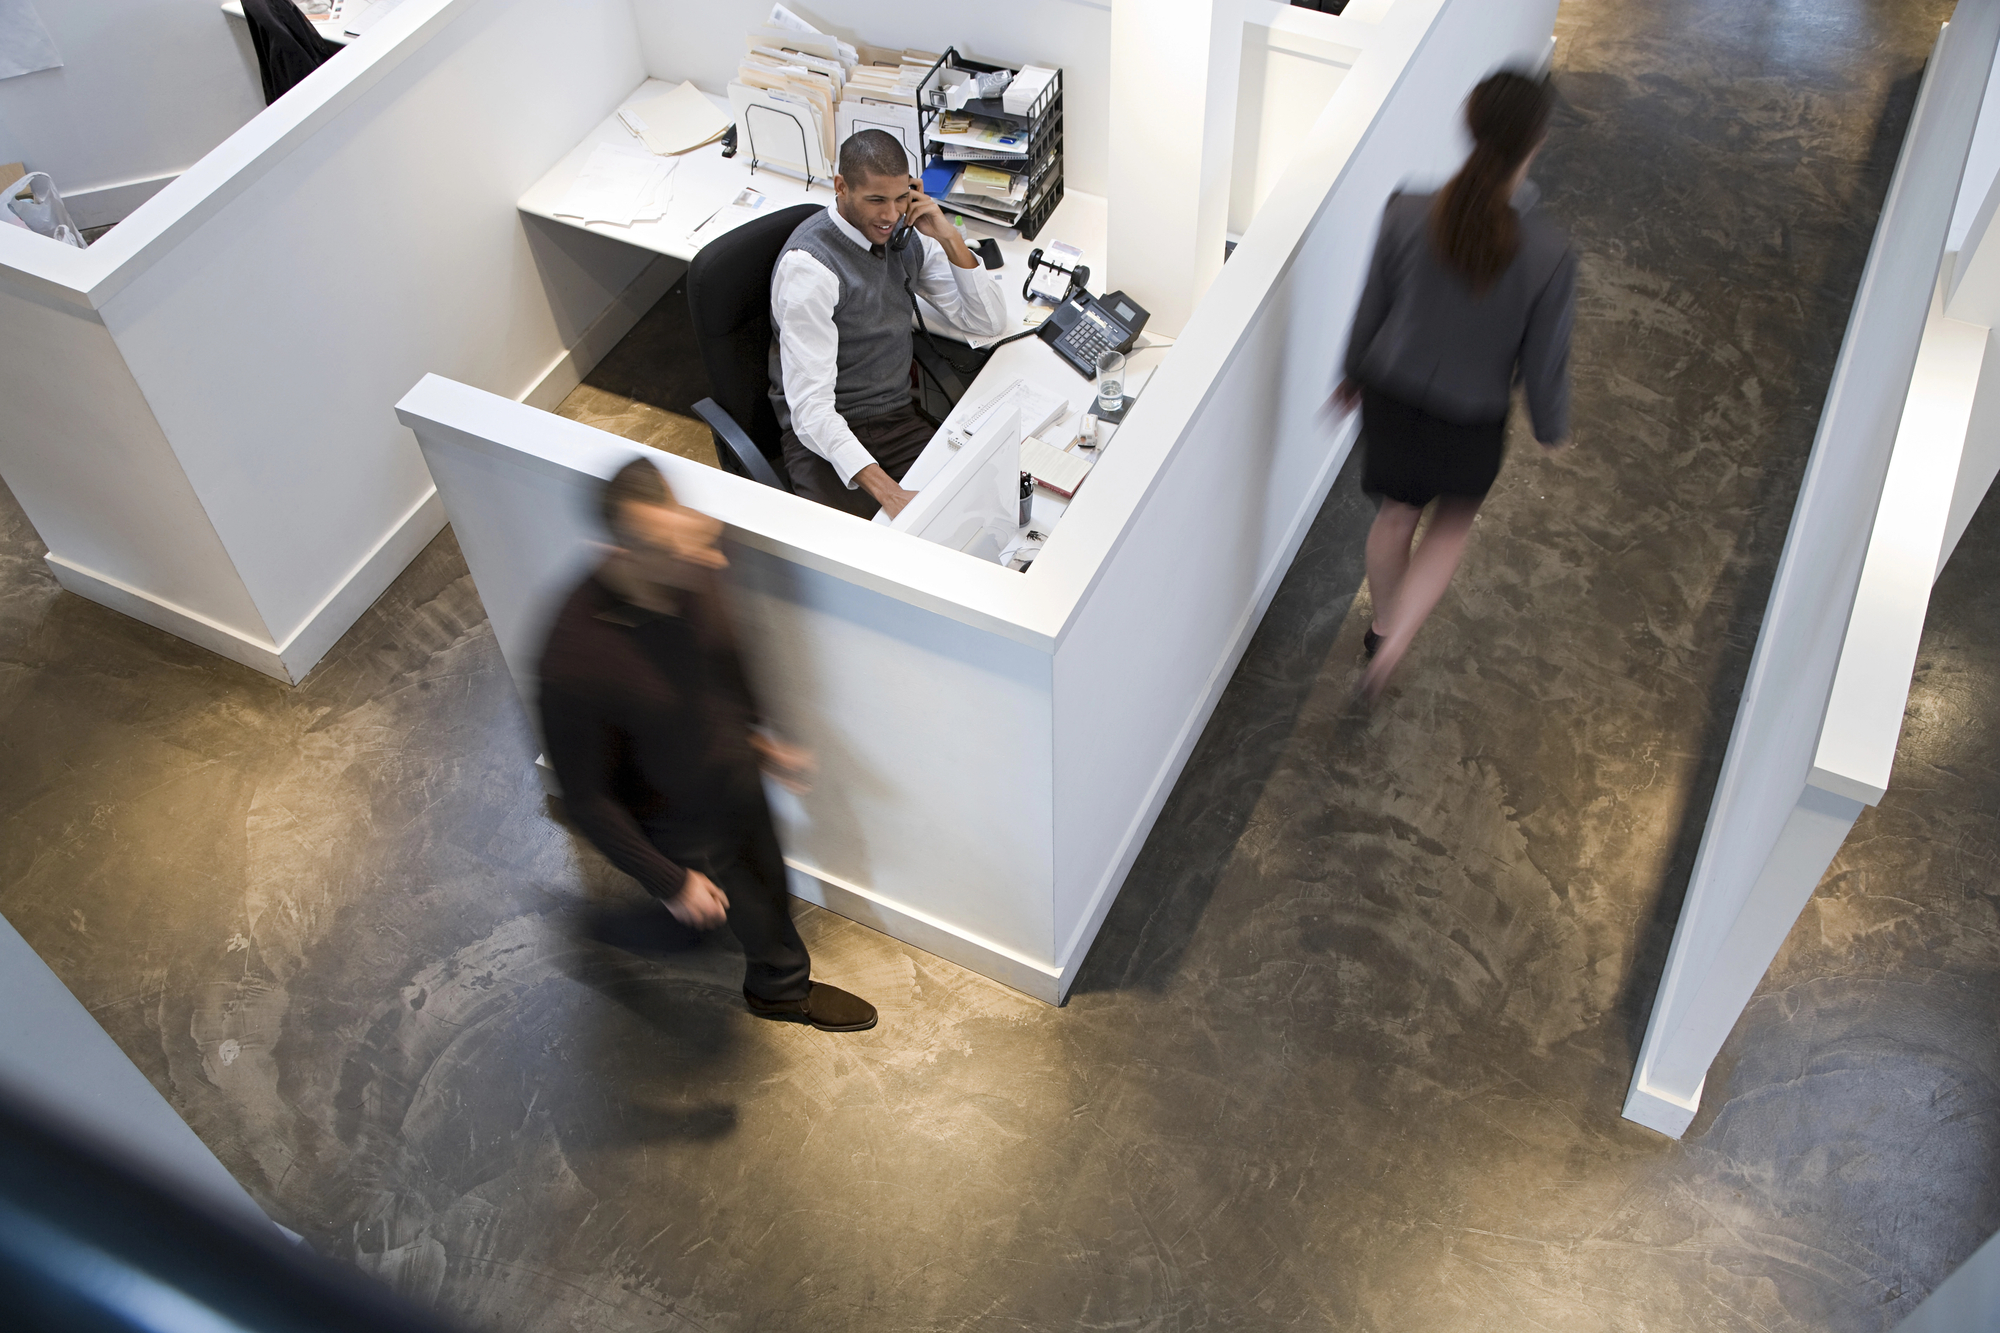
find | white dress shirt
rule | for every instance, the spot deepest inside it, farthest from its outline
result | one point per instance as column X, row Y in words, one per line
column 803, row 294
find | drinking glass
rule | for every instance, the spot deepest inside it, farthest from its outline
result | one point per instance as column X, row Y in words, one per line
column 1110, row 381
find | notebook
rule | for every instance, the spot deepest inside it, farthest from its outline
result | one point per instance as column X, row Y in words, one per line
column 1058, row 469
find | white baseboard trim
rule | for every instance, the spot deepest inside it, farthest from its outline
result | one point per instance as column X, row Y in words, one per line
column 369, row 579
column 106, row 204
column 567, row 371
column 259, row 654
column 1169, row 771
column 1660, row 1111
column 914, row 928
column 306, row 645
column 933, row 936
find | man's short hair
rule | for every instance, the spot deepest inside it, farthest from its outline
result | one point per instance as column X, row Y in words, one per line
column 873, row 153
column 638, row 482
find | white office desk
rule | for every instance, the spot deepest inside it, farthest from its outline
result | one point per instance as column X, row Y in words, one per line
column 706, row 182
column 333, row 27
column 1035, row 361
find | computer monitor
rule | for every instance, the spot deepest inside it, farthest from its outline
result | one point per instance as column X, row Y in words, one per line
column 974, row 503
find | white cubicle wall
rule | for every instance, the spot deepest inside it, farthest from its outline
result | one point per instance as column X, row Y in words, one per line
column 1816, row 730
column 145, row 89
column 704, row 42
column 994, row 746
column 199, row 406
column 1292, row 61
column 57, row 1063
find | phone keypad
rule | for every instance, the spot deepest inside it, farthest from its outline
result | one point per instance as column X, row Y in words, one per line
column 1085, row 341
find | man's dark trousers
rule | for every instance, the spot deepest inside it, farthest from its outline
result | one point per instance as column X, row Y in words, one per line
column 740, row 852
column 894, row 441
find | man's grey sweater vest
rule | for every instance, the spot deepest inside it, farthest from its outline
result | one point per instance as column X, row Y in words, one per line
column 872, row 316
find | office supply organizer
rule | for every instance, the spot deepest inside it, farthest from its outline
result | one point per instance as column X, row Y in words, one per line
column 774, row 118
column 1044, row 126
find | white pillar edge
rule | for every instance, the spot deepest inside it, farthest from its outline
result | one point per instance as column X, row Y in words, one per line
column 1728, row 935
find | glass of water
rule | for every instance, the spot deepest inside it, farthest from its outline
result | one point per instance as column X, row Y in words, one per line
column 1110, row 381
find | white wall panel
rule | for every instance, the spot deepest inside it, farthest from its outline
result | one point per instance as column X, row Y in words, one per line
column 1768, row 836
column 704, row 42
column 146, row 87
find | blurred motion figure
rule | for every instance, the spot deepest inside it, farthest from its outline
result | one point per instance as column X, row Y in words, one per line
column 651, row 728
column 1469, row 291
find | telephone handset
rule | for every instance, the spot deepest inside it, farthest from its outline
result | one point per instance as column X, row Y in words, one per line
column 1083, row 326
column 899, row 239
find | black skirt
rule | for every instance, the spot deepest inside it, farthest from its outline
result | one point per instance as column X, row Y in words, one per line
column 1414, row 457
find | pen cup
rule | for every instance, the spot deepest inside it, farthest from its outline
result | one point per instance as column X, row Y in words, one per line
column 1110, row 381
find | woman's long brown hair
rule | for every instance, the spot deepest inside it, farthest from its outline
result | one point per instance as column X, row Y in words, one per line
column 1472, row 226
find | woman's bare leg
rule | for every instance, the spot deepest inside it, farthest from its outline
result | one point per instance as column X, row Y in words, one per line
column 1424, row 578
column 1388, row 557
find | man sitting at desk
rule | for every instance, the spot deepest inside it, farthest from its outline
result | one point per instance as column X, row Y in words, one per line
column 840, row 319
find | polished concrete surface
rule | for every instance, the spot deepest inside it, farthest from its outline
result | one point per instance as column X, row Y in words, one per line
column 1351, row 1048
column 646, row 387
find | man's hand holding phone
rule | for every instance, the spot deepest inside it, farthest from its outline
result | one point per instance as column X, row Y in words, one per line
column 923, row 214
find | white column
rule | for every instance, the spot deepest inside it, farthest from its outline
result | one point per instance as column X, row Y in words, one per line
column 1720, row 953
column 1174, row 69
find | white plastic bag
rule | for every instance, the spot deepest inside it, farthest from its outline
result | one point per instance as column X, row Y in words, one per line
column 33, row 202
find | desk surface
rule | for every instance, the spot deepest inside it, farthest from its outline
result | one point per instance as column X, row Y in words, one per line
column 1035, row 361
column 333, row 27
column 706, row 182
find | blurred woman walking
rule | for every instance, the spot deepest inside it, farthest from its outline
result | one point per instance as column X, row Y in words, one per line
column 1469, row 291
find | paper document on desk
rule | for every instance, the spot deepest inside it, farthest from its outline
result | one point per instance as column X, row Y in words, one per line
column 677, row 121
column 785, row 18
column 620, row 184
column 747, row 204
column 1039, row 410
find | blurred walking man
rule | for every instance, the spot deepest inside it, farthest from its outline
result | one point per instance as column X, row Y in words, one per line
column 649, row 722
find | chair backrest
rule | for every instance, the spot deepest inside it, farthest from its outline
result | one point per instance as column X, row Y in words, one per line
column 288, row 47
column 729, row 300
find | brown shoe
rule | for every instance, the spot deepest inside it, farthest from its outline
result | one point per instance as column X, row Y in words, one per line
column 828, row 1008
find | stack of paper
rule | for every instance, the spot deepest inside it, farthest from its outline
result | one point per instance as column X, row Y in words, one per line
column 791, row 79
column 881, row 94
column 621, row 185
column 675, row 122
column 999, row 137
column 1038, row 408
column 1028, row 85
column 988, row 192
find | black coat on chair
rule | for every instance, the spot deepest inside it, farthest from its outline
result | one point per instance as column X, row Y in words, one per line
column 287, row 46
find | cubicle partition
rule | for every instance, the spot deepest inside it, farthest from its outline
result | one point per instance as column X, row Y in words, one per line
column 995, row 745
column 198, row 407
column 1905, row 449
column 145, row 88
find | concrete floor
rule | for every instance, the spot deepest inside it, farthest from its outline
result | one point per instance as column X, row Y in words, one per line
column 1350, row 1050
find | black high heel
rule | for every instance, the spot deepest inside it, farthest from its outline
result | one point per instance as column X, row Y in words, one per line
column 1370, row 641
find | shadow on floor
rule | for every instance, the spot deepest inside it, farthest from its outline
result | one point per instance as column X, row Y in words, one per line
column 1736, row 609
column 646, row 387
column 1196, row 833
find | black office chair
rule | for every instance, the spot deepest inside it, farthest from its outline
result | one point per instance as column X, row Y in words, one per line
column 288, row 48
column 729, row 299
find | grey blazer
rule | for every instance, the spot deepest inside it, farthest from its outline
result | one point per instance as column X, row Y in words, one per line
column 1423, row 338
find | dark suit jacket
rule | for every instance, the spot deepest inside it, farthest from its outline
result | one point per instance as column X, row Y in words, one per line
column 1423, row 337
column 287, row 47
